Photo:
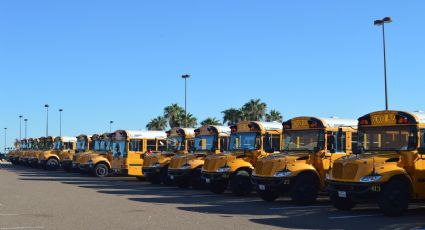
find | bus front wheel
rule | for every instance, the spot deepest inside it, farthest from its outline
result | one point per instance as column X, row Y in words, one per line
column 101, row 170
column 241, row 184
column 394, row 199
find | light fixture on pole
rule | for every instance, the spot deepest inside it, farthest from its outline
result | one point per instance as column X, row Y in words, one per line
column 110, row 125
column 185, row 77
column 60, row 122
column 381, row 22
column 47, row 119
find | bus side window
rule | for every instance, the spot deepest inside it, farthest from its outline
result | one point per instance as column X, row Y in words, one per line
column 340, row 145
column 331, row 142
column 224, row 143
column 354, row 141
column 161, row 145
column 151, row 145
column 135, row 145
column 422, row 138
column 191, row 145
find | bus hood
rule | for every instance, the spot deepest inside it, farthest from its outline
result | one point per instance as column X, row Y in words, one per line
column 270, row 165
column 213, row 162
column 358, row 168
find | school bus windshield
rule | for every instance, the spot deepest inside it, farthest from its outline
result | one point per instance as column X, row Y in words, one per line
column 175, row 144
column 391, row 138
column 303, row 140
column 81, row 145
column 101, row 145
column 244, row 141
column 119, row 149
column 209, row 141
column 57, row 145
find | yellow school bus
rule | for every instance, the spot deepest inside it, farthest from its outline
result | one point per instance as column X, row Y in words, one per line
column 310, row 146
column 388, row 166
column 185, row 169
column 32, row 145
column 51, row 159
column 155, row 165
column 129, row 148
column 249, row 141
column 84, row 144
column 97, row 161
column 12, row 155
column 44, row 144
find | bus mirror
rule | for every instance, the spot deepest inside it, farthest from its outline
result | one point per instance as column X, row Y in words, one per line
column 421, row 150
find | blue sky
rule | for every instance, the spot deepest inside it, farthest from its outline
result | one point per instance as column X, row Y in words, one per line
column 122, row 60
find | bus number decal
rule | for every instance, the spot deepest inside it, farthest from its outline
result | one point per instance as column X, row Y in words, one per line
column 383, row 119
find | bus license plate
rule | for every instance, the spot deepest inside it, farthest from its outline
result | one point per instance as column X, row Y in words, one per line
column 208, row 180
column 262, row 187
column 342, row 194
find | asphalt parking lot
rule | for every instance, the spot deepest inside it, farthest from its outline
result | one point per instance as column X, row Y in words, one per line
column 36, row 199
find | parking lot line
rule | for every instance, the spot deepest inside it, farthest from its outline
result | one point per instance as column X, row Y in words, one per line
column 8, row 214
column 17, row 228
column 354, row 216
column 300, row 207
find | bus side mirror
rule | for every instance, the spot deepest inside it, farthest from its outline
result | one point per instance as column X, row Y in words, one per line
column 421, row 150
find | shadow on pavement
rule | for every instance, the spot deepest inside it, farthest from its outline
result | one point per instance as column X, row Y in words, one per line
column 282, row 213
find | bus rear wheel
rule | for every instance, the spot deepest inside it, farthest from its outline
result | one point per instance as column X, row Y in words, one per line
column 217, row 188
column 305, row 188
column 394, row 199
column 52, row 164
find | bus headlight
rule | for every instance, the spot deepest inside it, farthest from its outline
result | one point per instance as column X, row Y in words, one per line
column 283, row 174
column 223, row 169
column 370, row 178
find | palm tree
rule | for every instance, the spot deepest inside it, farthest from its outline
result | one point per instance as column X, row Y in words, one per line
column 274, row 115
column 232, row 116
column 254, row 110
column 191, row 120
column 158, row 123
column 211, row 121
column 173, row 113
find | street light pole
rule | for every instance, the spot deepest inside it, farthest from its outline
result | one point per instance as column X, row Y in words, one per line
column 110, row 126
column 60, row 122
column 47, row 119
column 20, row 127
column 5, row 139
column 25, row 120
column 382, row 22
column 185, row 77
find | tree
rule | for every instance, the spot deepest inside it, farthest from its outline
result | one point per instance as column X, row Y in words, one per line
column 191, row 120
column 173, row 114
column 158, row 123
column 274, row 115
column 254, row 110
column 211, row 121
column 232, row 116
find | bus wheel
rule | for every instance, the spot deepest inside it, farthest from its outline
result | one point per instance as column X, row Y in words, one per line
column 52, row 164
column 164, row 176
column 196, row 180
column 394, row 199
column 343, row 204
column 241, row 184
column 217, row 188
column 268, row 195
column 305, row 188
column 101, row 170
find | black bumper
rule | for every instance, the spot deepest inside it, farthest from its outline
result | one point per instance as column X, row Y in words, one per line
column 280, row 184
column 354, row 191
column 179, row 174
column 85, row 168
column 211, row 178
column 151, row 170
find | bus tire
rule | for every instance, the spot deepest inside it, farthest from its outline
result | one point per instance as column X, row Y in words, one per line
column 394, row 199
column 343, row 204
column 52, row 164
column 196, row 180
column 305, row 188
column 268, row 195
column 240, row 183
column 101, row 170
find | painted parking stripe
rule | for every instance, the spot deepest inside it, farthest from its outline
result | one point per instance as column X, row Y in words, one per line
column 8, row 214
column 348, row 217
column 300, row 207
column 17, row 228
